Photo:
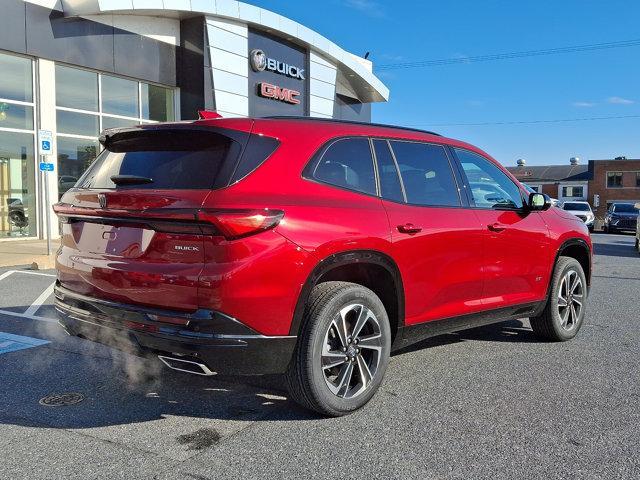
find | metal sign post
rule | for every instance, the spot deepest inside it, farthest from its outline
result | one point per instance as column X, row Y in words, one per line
column 45, row 147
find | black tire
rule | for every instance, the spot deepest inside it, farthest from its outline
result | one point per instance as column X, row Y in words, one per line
column 306, row 379
column 550, row 324
column 637, row 244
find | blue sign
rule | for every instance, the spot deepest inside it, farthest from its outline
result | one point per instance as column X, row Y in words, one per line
column 45, row 139
column 46, row 167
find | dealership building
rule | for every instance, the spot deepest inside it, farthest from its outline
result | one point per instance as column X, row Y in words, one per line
column 76, row 67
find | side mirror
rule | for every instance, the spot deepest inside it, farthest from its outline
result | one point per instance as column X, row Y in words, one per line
column 539, row 201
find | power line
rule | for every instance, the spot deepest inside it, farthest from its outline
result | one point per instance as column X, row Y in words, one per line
column 510, row 55
column 524, row 122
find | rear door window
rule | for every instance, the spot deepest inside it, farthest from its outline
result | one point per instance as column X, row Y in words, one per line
column 348, row 163
column 170, row 159
column 426, row 173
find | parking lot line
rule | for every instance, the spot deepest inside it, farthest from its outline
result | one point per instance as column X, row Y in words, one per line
column 33, row 308
column 30, row 317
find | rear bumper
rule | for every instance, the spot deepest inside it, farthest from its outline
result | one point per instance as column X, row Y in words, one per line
column 220, row 342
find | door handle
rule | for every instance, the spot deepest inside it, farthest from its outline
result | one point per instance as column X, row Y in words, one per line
column 409, row 228
column 497, row 227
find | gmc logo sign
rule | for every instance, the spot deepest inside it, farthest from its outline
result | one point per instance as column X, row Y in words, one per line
column 286, row 95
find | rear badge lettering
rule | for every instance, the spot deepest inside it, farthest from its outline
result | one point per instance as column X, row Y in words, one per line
column 186, row 248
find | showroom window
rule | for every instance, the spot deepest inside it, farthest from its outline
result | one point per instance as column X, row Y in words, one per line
column 614, row 179
column 573, row 192
column 88, row 102
column 17, row 146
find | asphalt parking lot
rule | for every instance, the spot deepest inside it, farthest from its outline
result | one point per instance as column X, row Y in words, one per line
column 492, row 402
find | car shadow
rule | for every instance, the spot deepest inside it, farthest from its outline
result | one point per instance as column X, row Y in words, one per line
column 509, row 331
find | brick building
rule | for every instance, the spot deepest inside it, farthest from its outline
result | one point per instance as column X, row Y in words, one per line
column 608, row 181
column 613, row 181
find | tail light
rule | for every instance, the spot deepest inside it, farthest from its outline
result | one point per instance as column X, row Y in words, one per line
column 235, row 224
column 232, row 223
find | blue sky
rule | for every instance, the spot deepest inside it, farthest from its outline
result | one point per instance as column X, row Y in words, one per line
column 599, row 83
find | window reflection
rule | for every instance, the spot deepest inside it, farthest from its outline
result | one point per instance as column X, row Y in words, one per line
column 157, row 103
column 76, row 88
column 17, row 185
column 119, row 96
column 17, row 78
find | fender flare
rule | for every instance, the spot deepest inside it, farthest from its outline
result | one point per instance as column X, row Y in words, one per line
column 341, row 259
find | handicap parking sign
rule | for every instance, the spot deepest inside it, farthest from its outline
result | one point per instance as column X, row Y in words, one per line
column 46, row 167
column 45, row 141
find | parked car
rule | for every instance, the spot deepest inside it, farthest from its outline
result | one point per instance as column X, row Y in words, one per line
column 307, row 247
column 582, row 210
column 621, row 217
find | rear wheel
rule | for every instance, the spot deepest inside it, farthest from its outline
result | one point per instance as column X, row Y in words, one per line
column 564, row 313
column 343, row 349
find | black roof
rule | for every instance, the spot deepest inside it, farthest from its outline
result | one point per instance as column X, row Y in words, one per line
column 551, row 173
column 349, row 122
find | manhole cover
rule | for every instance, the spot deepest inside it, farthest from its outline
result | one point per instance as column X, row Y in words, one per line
column 61, row 399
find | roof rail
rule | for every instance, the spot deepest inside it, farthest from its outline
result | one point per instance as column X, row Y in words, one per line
column 350, row 122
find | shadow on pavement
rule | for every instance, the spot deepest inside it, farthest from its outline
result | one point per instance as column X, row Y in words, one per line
column 615, row 249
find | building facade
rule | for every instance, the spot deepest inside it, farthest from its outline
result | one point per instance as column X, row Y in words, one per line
column 563, row 182
column 611, row 181
column 76, row 67
column 600, row 182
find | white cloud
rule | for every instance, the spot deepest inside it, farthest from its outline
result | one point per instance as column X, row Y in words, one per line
column 620, row 101
column 368, row 7
column 584, row 104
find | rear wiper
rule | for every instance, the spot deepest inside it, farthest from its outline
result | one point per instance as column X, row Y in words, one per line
column 130, row 179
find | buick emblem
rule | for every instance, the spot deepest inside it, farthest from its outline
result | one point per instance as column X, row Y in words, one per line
column 102, row 200
column 258, row 60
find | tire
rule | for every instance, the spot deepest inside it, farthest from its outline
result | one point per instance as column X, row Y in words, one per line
column 327, row 390
column 557, row 323
column 637, row 244
column 605, row 229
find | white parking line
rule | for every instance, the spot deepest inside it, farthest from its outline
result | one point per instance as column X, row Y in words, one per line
column 33, row 308
column 30, row 317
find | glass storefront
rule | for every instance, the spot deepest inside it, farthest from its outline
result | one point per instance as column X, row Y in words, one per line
column 89, row 102
column 17, row 160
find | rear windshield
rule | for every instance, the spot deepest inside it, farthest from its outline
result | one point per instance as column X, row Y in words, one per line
column 578, row 207
column 170, row 159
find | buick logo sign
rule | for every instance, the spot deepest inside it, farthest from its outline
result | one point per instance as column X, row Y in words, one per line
column 258, row 60
column 102, row 200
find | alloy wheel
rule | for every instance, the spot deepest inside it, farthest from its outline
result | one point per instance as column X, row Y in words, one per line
column 351, row 351
column 570, row 299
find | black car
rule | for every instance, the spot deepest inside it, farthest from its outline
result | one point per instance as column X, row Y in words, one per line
column 621, row 216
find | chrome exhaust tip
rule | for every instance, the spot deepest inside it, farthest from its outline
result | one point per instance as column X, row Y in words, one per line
column 187, row 366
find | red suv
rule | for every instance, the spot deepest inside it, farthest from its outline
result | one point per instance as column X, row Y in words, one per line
column 308, row 247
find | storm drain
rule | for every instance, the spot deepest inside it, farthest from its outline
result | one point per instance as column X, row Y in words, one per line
column 61, row 399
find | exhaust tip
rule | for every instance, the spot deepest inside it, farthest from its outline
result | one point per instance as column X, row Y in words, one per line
column 187, row 366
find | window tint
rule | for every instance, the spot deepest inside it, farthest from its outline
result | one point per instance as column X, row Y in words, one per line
column 388, row 172
column 348, row 163
column 172, row 160
column 426, row 174
column 490, row 186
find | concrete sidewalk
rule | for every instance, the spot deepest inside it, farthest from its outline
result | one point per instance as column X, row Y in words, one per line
column 27, row 252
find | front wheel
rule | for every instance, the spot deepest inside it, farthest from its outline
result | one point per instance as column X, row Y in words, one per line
column 563, row 315
column 343, row 350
